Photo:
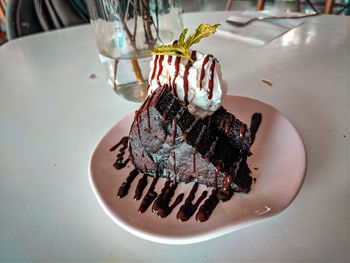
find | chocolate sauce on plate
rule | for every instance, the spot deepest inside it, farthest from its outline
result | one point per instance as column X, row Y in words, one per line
column 141, row 185
column 161, row 205
column 150, row 196
column 124, row 188
column 119, row 164
column 208, row 207
column 187, row 210
column 255, row 124
column 161, row 202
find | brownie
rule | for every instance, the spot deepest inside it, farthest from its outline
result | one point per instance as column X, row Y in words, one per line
column 165, row 137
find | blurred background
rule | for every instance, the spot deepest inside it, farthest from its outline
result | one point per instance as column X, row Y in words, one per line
column 285, row 5
column 33, row 16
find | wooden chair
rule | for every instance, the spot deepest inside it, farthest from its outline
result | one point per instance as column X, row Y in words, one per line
column 3, row 35
column 3, row 10
column 25, row 17
column 328, row 7
column 260, row 6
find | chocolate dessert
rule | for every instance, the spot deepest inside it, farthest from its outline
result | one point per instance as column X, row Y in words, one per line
column 167, row 139
column 182, row 133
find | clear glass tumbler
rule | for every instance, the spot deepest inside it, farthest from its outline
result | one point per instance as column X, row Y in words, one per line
column 125, row 32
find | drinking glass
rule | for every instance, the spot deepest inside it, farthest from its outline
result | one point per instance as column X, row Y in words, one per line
column 125, row 32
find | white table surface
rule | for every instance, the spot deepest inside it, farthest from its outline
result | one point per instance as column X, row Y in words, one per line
column 52, row 115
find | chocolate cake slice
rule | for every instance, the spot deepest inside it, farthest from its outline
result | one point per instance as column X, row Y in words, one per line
column 166, row 138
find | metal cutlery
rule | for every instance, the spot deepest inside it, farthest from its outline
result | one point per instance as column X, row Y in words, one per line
column 260, row 18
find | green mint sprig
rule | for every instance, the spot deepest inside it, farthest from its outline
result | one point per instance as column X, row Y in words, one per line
column 181, row 48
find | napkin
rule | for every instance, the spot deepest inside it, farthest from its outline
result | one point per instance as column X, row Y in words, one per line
column 258, row 32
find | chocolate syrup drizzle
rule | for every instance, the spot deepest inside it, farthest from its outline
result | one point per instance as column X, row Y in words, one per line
column 206, row 59
column 124, row 188
column 154, row 67
column 188, row 209
column 174, row 131
column 161, row 205
column 224, row 195
column 211, row 79
column 177, row 67
column 254, row 125
column 147, row 108
column 187, row 68
column 156, row 99
column 123, row 141
column 150, row 196
column 227, row 122
column 119, row 164
column 208, row 207
column 170, row 58
column 226, row 181
column 194, row 158
column 141, row 185
column 160, row 68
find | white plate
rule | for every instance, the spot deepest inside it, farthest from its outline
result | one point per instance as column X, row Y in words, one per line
column 278, row 163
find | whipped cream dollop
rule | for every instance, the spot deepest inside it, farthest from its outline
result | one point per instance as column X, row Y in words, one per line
column 198, row 84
